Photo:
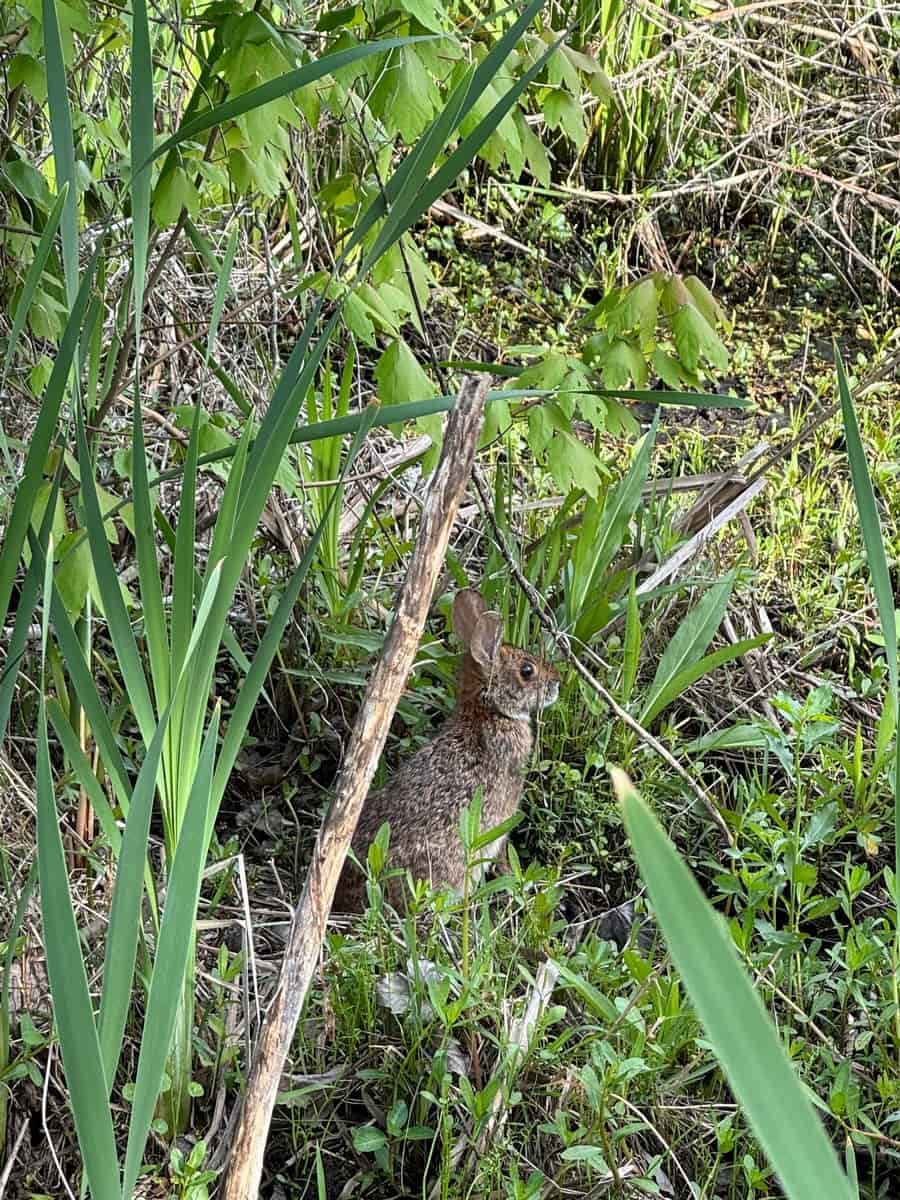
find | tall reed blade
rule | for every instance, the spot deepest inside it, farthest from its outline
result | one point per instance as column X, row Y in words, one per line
column 738, row 1027
column 876, row 556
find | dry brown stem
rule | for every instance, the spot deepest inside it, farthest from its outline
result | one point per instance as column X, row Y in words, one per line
column 363, row 752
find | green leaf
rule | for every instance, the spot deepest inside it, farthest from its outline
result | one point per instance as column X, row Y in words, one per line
column 631, row 646
column 73, row 1011
column 705, row 302
column 690, row 640
column 405, row 97
column 572, row 464
column 878, row 569
column 637, row 309
column 63, row 144
column 681, row 681
column 741, row 1033
column 125, row 911
column 44, row 431
column 399, row 376
column 221, row 291
column 622, row 364
column 430, row 13
column 176, row 938
column 535, row 152
column 603, row 531
column 563, row 112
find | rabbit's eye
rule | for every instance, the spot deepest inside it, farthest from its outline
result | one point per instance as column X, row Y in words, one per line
column 527, row 670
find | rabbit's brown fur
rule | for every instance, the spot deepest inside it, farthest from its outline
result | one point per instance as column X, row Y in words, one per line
column 485, row 742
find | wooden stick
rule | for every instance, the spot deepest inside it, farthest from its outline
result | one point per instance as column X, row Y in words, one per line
column 363, row 752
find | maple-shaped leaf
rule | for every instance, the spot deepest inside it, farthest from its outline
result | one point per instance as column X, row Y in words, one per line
column 572, row 464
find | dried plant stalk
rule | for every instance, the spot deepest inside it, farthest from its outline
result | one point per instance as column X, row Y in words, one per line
column 363, row 752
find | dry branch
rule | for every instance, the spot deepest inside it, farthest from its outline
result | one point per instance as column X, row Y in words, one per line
column 363, row 752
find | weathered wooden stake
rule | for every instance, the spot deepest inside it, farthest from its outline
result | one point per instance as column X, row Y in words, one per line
column 447, row 488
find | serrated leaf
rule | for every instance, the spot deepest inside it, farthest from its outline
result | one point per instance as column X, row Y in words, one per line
column 623, row 363
column 572, row 464
column 540, row 430
column 696, row 340
column 563, row 112
column 429, row 13
column 534, row 150
column 636, row 310
column 548, row 373
column 668, row 368
column 405, row 97
column 399, row 376
column 705, row 301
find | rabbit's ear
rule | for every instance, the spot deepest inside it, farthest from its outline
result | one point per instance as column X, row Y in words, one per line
column 468, row 609
column 485, row 645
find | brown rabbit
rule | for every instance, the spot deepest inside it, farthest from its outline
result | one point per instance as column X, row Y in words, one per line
column 485, row 742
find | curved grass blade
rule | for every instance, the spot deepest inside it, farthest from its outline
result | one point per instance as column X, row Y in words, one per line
column 125, row 912
column 176, row 936
column 878, row 569
column 83, row 682
column 69, row 988
column 63, row 144
column 690, row 674
column 738, row 1027
column 141, row 150
column 221, row 292
column 107, row 577
column 28, row 597
column 32, row 279
column 252, row 684
column 62, row 727
column 414, row 169
column 430, row 187
column 690, row 639
column 12, row 936
column 617, row 512
column 33, row 474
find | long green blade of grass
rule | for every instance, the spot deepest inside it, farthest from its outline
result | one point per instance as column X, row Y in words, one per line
column 110, row 589
column 28, row 598
column 876, row 557
column 415, row 167
column 176, row 938
column 690, row 640
column 84, row 773
column 86, row 689
column 12, row 937
column 141, row 150
column 689, row 675
column 593, row 555
column 252, row 685
column 425, row 188
column 44, row 430
column 741, row 1033
column 63, row 144
column 125, row 912
column 69, row 986
column 222, row 282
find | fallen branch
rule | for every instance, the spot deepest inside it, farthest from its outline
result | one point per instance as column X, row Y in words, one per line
column 363, row 752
